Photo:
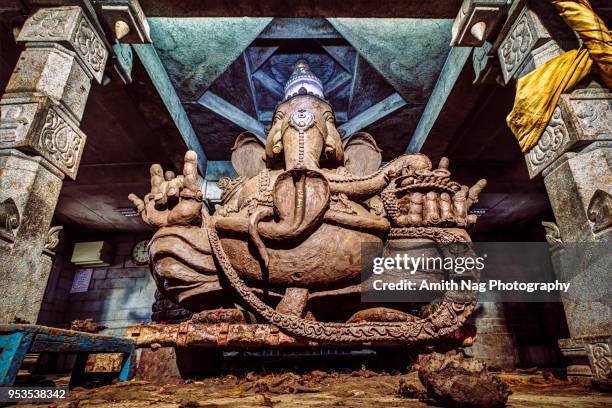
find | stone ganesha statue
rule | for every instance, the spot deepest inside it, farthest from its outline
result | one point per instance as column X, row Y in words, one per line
column 287, row 235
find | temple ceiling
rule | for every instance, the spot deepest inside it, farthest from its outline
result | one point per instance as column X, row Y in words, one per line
column 211, row 73
column 229, row 73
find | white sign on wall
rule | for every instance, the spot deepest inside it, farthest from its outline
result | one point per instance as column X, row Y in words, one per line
column 82, row 278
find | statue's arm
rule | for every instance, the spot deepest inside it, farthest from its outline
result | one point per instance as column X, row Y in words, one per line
column 180, row 257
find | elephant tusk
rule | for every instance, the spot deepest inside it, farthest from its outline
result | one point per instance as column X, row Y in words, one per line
column 254, row 232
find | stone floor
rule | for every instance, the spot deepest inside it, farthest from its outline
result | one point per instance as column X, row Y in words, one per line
column 361, row 388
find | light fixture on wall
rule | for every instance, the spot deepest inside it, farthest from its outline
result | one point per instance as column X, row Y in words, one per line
column 94, row 253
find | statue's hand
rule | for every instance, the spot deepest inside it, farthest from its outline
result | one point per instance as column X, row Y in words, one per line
column 172, row 200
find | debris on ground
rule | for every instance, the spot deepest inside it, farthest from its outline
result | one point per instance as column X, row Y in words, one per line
column 347, row 388
column 410, row 390
column 544, row 379
column 453, row 380
column 87, row 326
column 287, row 383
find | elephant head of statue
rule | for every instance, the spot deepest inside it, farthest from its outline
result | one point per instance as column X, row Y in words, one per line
column 303, row 133
column 303, row 130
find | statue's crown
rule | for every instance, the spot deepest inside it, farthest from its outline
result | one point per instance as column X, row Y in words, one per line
column 303, row 82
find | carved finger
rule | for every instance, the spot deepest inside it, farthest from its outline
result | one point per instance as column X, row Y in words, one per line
column 169, row 175
column 174, row 187
column 475, row 190
column 443, row 163
column 140, row 206
column 157, row 178
column 161, row 198
column 137, row 202
column 431, row 212
column 190, row 174
column 460, row 207
column 445, row 207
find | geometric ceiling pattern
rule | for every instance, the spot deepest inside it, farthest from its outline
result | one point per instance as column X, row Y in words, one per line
column 230, row 73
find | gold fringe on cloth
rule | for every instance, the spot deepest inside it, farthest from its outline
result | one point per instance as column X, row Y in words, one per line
column 538, row 92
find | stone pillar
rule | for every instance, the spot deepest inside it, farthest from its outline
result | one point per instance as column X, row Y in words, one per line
column 40, row 144
column 510, row 39
column 574, row 157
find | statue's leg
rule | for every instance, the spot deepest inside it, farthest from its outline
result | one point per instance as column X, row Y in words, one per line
column 293, row 302
column 184, row 269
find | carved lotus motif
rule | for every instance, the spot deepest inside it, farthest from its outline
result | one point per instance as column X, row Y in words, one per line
column 90, row 46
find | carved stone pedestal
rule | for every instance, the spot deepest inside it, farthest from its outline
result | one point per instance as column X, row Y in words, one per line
column 578, row 368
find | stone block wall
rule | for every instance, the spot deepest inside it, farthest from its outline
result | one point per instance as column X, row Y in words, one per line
column 120, row 294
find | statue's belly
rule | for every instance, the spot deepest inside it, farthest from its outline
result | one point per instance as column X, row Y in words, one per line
column 330, row 258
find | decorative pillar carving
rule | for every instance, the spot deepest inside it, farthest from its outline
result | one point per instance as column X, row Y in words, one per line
column 40, row 144
column 537, row 35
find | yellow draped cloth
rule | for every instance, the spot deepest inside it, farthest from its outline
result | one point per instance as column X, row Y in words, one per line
column 538, row 92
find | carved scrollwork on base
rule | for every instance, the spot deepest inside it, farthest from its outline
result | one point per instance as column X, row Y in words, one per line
column 89, row 46
column 36, row 123
column 53, row 237
column 551, row 140
column 600, row 358
column 600, row 211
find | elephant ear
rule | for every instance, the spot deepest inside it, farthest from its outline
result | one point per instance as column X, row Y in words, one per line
column 361, row 154
column 248, row 155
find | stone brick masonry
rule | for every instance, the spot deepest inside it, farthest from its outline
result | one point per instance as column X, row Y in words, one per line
column 119, row 295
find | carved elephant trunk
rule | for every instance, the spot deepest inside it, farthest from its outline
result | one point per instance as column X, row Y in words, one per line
column 301, row 198
column 366, row 186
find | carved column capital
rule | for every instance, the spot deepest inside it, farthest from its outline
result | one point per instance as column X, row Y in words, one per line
column 70, row 27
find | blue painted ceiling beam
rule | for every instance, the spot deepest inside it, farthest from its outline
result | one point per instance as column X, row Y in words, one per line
column 271, row 84
column 228, row 111
column 337, row 82
column 283, row 28
column 457, row 57
column 153, row 65
column 374, row 113
column 220, row 168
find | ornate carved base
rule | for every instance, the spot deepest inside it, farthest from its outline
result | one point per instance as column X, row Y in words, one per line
column 578, row 369
column 599, row 352
column 240, row 336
